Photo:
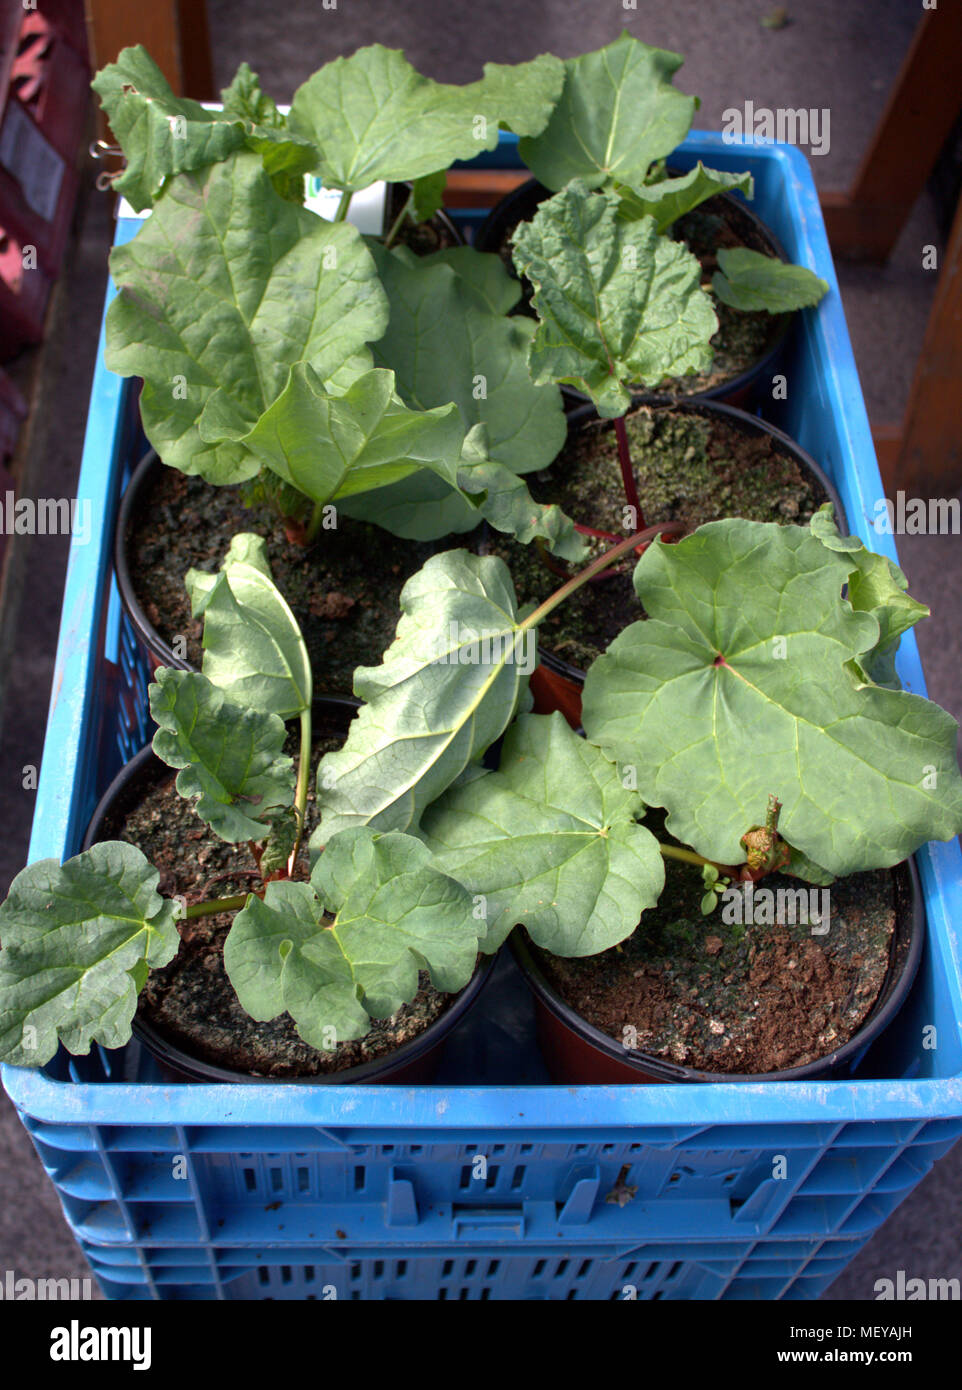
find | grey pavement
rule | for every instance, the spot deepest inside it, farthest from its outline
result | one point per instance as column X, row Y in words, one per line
column 840, row 56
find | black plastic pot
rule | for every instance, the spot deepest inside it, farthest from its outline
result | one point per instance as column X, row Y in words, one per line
column 521, row 204
column 157, row 650
column 578, row 1053
column 751, row 424
column 412, row 1061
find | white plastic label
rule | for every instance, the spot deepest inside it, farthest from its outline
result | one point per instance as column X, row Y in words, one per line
column 366, row 212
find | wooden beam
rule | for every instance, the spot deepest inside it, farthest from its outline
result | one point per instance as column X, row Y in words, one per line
column 929, row 460
column 196, row 67
column 481, row 188
column 864, row 223
column 888, row 442
column 174, row 32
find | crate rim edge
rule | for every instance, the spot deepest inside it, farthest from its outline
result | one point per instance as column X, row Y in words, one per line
column 507, row 1108
column 56, row 811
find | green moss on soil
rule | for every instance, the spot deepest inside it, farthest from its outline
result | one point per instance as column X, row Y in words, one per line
column 686, row 470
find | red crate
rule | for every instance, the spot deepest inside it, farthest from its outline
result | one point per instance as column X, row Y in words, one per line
column 44, row 91
column 24, row 292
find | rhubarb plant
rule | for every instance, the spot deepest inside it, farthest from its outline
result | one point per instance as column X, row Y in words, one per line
column 617, row 302
column 333, row 952
column 618, row 118
column 240, row 390
column 161, row 134
column 355, row 122
column 741, row 706
column 372, row 116
column 749, row 677
column 251, row 319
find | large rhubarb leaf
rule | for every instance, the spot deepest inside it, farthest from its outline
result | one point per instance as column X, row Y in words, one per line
column 617, row 302
column 448, row 686
column 332, row 446
column 253, row 648
column 549, row 840
column 749, row 280
column 78, row 940
column 160, row 133
column 445, row 344
column 442, row 346
column 391, row 914
column 741, row 685
column 482, row 274
column 231, row 758
column 876, row 586
column 373, row 116
column 617, row 114
column 668, row 199
column 225, row 287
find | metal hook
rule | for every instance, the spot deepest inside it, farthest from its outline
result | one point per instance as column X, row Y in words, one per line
column 104, row 181
column 99, row 149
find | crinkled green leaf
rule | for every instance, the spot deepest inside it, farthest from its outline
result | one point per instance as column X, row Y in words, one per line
column 876, row 586
column 223, row 289
column 750, row 280
column 282, row 839
column 738, row 687
column 447, row 687
column 331, row 446
column 77, row 941
column 395, row 915
column 617, row 302
column 245, row 101
column 287, row 157
column 231, row 758
column 253, row 648
column 617, row 114
column 668, row 199
column 372, row 116
column 549, row 840
column 161, row 134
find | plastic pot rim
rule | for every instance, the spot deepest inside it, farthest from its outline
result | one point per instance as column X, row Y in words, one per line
column 196, row 1069
column 881, row 1015
column 734, row 413
column 144, row 628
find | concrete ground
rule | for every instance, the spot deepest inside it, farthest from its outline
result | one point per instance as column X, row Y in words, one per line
column 842, row 57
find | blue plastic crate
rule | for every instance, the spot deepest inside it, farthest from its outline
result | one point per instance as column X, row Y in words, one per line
column 787, row 1269
column 377, row 1180
column 413, row 1180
